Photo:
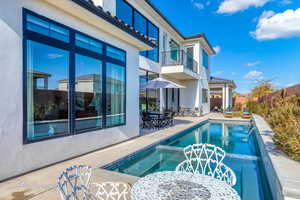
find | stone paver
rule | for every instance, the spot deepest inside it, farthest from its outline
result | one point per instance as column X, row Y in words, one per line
column 41, row 184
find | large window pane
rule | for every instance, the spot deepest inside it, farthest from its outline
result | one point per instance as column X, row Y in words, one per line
column 205, row 59
column 47, row 98
column 140, row 23
column 49, row 29
column 115, row 95
column 88, row 87
column 153, row 34
column 124, row 12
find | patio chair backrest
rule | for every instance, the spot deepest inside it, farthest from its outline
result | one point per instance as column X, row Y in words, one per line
column 204, row 158
column 222, row 172
column 112, row 191
column 73, row 183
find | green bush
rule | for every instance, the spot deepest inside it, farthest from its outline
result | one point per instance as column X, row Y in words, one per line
column 283, row 115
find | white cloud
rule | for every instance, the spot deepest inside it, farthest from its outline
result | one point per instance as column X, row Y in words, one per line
column 54, row 55
column 217, row 49
column 232, row 6
column 217, row 73
column 233, row 73
column 281, row 25
column 254, row 75
column 197, row 5
column 251, row 64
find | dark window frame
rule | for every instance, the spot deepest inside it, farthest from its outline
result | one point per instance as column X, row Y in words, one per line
column 73, row 49
column 147, row 29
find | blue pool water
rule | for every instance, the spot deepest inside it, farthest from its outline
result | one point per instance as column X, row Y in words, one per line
column 241, row 156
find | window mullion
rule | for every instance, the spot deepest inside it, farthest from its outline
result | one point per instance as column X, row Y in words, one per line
column 147, row 33
column 104, row 89
column 72, row 82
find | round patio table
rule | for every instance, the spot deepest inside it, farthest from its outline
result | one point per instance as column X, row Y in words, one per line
column 181, row 186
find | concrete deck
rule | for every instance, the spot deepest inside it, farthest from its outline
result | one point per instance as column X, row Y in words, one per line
column 41, row 184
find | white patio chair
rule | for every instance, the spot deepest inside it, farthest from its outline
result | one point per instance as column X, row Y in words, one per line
column 207, row 159
column 222, row 172
column 73, row 183
column 207, row 153
column 112, row 191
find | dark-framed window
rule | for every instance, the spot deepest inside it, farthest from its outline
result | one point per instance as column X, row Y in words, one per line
column 133, row 17
column 205, row 59
column 73, row 83
column 149, row 98
column 204, row 95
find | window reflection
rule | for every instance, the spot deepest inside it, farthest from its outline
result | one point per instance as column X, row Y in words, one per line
column 115, row 53
column 47, row 103
column 88, row 87
column 150, row 98
column 115, row 95
column 49, row 29
column 124, row 12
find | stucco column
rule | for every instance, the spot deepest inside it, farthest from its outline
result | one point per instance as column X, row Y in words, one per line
column 161, row 100
column 227, row 98
column 224, row 97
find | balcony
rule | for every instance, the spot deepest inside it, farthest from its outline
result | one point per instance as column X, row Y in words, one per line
column 179, row 65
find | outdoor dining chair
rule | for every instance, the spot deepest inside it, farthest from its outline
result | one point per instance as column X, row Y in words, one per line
column 112, row 191
column 207, row 159
column 73, row 183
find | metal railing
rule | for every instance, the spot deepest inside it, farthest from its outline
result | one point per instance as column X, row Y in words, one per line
column 179, row 57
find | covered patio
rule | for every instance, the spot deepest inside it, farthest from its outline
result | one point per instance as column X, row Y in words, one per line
column 221, row 91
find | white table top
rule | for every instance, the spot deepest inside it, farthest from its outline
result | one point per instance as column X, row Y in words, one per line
column 181, row 186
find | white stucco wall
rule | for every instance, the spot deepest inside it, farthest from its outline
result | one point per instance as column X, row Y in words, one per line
column 17, row 158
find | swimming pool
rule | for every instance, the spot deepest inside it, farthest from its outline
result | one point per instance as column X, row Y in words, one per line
column 242, row 156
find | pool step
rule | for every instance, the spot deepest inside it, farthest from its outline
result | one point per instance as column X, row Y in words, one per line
column 230, row 155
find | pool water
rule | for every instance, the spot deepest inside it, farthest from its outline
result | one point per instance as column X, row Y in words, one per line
column 241, row 156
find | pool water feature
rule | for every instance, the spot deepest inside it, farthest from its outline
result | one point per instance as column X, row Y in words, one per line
column 241, row 156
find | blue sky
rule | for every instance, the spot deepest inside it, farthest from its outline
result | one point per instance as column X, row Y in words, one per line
column 255, row 39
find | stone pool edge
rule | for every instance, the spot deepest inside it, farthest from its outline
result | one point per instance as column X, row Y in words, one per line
column 283, row 174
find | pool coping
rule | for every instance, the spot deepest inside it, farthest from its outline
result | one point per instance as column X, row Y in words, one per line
column 283, row 173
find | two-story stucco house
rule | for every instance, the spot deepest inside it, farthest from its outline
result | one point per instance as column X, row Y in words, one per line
column 71, row 72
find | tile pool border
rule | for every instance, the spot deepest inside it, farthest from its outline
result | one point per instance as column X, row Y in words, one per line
column 281, row 171
column 145, row 150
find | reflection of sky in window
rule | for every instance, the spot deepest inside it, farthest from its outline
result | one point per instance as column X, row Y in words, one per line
column 50, row 60
column 115, row 72
column 89, row 66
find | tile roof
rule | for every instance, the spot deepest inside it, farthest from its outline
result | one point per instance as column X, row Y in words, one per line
column 215, row 80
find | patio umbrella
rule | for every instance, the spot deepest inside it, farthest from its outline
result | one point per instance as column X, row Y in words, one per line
column 160, row 83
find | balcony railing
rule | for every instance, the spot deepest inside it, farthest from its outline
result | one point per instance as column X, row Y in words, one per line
column 179, row 57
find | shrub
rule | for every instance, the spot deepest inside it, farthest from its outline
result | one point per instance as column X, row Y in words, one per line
column 284, row 118
column 283, row 115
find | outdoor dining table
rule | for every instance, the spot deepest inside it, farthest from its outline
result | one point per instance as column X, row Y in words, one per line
column 174, row 185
